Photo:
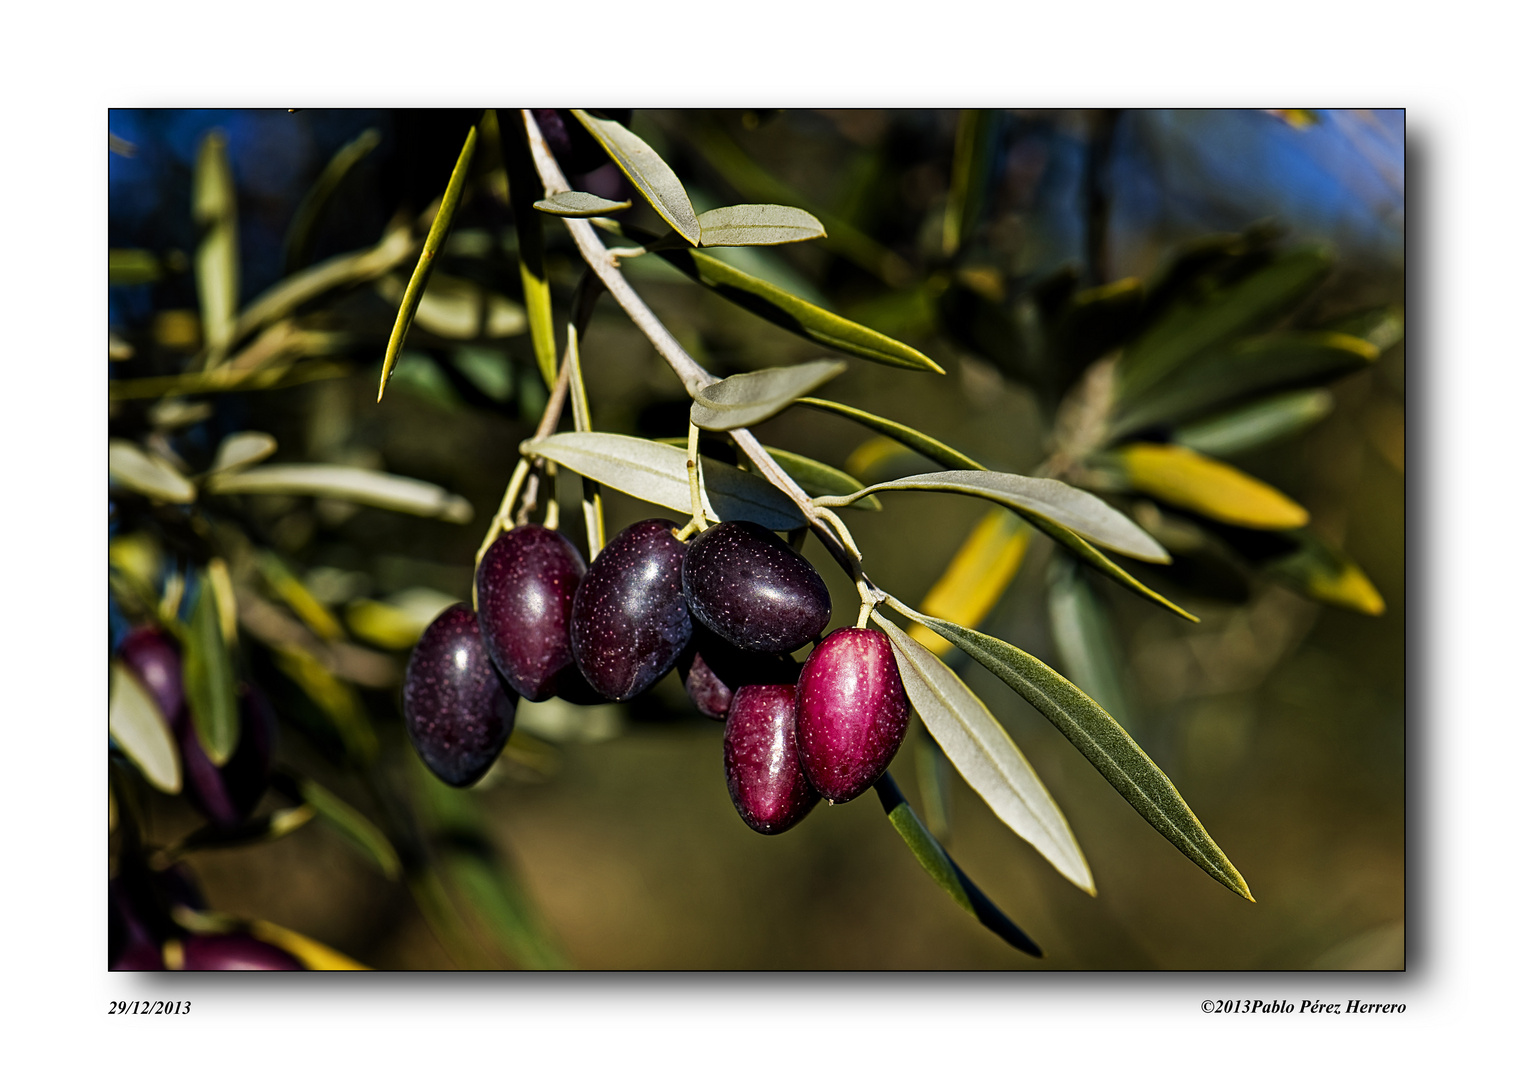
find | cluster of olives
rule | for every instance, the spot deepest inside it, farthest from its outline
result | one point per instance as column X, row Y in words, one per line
column 727, row 608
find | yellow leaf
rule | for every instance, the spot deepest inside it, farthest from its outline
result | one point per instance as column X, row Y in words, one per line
column 311, row 953
column 977, row 576
column 1181, row 477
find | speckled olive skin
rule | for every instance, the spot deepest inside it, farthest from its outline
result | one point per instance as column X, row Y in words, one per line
column 746, row 584
column 762, row 772
column 853, row 713
column 713, row 670
column 235, row 952
column 154, row 657
column 630, row 621
column 457, row 709
column 228, row 794
column 526, row 581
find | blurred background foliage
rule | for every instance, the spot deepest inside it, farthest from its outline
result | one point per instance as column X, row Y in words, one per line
column 1017, row 249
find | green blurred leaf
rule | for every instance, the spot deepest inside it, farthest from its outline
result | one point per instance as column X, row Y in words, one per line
column 255, row 830
column 752, row 397
column 1381, row 327
column 243, row 448
column 134, row 468
column 977, row 576
column 494, row 894
column 300, row 238
column 461, row 309
column 525, row 189
column 917, row 441
column 347, row 482
column 648, row 172
column 972, row 164
column 1321, row 572
column 1183, row 478
column 944, row 871
column 1085, row 638
column 141, row 730
column 795, row 315
column 347, row 821
column 985, row 755
column 132, row 266
column 1193, row 326
column 216, row 259
column 1101, row 740
column 757, row 224
column 577, row 204
column 1261, row 365
column 1256, row 424
column 658, row 473
column 818, row 478
column 335, row 698
column 313, row 954
column 1039, row 500
column 436, row 240
column 1101, row 562
column 933, row 774
column 398, row 621
column 209, row 682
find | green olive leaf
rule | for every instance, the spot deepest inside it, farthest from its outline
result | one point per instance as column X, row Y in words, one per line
column 209, row 681
column 917, row 441
column 216, row 259
column 757, row 224
column 985, row 755
column 307, row 216
column 944, row 870
column 460, row 309
column 133, row 266
column 365, row 486
column 648, row 172
column 752, row 397
column 818, row 478
column 1257, row 424
column 1101, row 562
column 243, row 448
column 352, row 825
column 133, row 468
column 1323, row 573
column 577, row 204
column 141, row 731
column 658, row 473
column 1100, row 739
column 1085, row 639
column 525, row 188
column 1038, row 499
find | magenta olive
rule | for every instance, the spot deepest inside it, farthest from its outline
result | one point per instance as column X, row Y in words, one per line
column 457, row 709
column 853, row 712
column 630, row 621
column 742, row 581
column 526, row 581
column 762, row 772
column 713, row 670
column 235, row 952
column 153, row 656
column 229, row 793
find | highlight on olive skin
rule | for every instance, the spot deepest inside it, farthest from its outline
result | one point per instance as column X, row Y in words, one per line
column 762, row 773
column 853, row 712
column 526, row 581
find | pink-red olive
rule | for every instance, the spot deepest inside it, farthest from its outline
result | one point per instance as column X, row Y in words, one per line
column 762, row 772
column 235, row 952
column 853, row 712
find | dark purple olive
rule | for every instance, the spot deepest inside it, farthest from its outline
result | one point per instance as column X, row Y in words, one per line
column 141, row 904
column 743, row 582
column 630, row 621
column 573, row 688
column 229, row 793
column 235, row 952
column 713, row 670
column 457, row 709
column 153, row 656
column 762, row 771
column 853, row 712
column 526, row 581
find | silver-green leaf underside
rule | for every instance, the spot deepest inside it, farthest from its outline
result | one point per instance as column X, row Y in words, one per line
column 1256, row 424
column 985, row 755
column 1100, row 739
column 141, row 731
column 1038, row 499
column 243, row 448
column 658, row 473
column 755, row 396
column 347, row 482
column 648, row 172
column 757, row 224
column 147, row 474
column 579, row 204
column 818, row 478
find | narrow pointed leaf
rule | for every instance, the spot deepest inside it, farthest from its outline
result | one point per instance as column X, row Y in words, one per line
column 1257, row 424
column 352, row 825
column 944, row 870
column 1183, row 478
column 244, row 448
column 578, row 204
column 917, row 441
column 648, row 172
column 1104, row 564
column 1258, row 366
column 977, row 576
column 658, row 473
column 457, row 308
column 933, row 774
column 209, row 681
column 313, row 954
column 795, row 315
column 1084, row 638
column 1102, row 741
column 141, row 731
column 757, row 224
column 134, row 468
column 216, row 259
column 525, row 188
column 985, row 755
column 1323, row 573
column 972, row 163
column 307, row 216
column 132, row 266
column 818, row 478
column 1191, row 327
column 436, row 240
column 347, row 482
column 755, row 396
column 1038, row 499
